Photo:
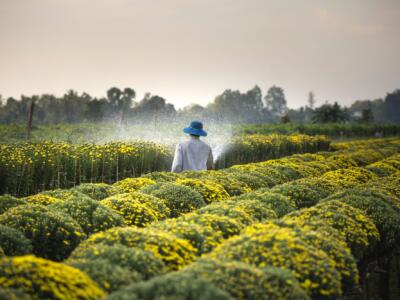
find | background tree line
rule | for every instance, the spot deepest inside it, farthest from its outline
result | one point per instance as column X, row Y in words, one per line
column 121, row 105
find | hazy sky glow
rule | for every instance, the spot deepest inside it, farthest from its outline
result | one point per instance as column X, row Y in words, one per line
column 191, row 50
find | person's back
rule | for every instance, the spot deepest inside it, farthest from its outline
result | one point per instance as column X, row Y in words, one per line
column 193, row 154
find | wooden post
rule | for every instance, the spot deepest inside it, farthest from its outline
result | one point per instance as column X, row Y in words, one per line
column 30, row 115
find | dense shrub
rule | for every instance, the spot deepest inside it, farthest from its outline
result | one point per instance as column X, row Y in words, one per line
column 226, row 226
column 53, row 235
column 348, row 178
column 243, row 281
column 379, row 208
column 179, row 199
column 174, row 251
column 44, row 279
column 134, row 259
column 65, row 194
column 233, row 186
column 131, row 209
column 157, row 204
column 13, row 294
column 129, row 185
column 331, row 244
column 109, row 277
column 227, row 209
column 162, row 176
column 252, row 181
column 173, row 286
column 8, row 201
column 381, row 169
column 359, row 232
column 41, row 199
column 203, row 238
column 282, row 248
column 282, row 205
column 302, row 195
column 13, row 242
column 209, row 190
column 97, row 191
column 89, row 214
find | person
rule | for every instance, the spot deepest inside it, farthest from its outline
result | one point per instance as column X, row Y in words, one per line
column 193, row 154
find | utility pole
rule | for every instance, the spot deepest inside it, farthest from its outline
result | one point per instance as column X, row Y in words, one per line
column 30, row 115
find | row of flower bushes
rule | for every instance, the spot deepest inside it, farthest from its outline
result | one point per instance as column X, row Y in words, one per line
column 27, row 168
column 55, row 222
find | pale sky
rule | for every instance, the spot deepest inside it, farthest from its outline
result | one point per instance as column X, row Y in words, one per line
column 189, row 51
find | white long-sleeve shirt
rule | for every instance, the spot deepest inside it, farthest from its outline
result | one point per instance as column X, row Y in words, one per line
column 192, row 155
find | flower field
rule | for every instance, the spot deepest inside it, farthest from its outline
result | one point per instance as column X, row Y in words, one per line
column 27, row 168
column 322, row 225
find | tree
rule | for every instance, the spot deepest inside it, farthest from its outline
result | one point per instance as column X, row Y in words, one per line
column 275, row 100
column 329, row 113
column 311, row 100
column 121, row 101
column 392, row 106
column 95, row 110
column 366, row 116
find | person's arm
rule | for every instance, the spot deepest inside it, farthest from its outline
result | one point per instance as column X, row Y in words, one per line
column 210, row 161
column 177, row 162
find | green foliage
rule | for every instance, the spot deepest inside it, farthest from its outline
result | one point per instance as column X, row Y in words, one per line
column 302, row 195
column 45, row 279
column 225, row 225
column 110, row 278
column 282, row 248
column 8, row 201
column 379, row 208
column 227, row 209
column 131, row 209
column 179, row 199
column 53, row 235
column 280, row 204
column 174, row 251
column 13, row 242
column 13, row 294
column 134, row 259
column 173, row 286
column 203, row 238
column 97, row 191
column 89, row 214
column 243, row 281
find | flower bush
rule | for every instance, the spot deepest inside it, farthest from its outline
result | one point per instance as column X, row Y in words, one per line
column 204, row 239
column 132, row 210
column 302, row 195
column 280, row 204
column 243, row 281
column 162, row 176
column 331, row 244
column 209, row 190
column 359, row 232
column 45, row 279
column 97, row 191
column 8, row 201
column 53, row 235
column 134, row 259
column 89, row 214
column 174, row 286
column 174, row 251
column 13, row 242
column 379, row 208
column 225, row 225
column 179, row 199
column 108, row 277
column 129, row 185
column 41, row 199
column 350, row 177
column 227, row 210
column 282, row 248
column 13, row 294
column 381, row 169
column 65, row 194
column 233, row 186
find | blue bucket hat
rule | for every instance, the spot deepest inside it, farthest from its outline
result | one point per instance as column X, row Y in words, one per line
column 195, row 128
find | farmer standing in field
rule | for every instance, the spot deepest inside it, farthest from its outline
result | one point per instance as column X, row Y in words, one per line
column 193, row 154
